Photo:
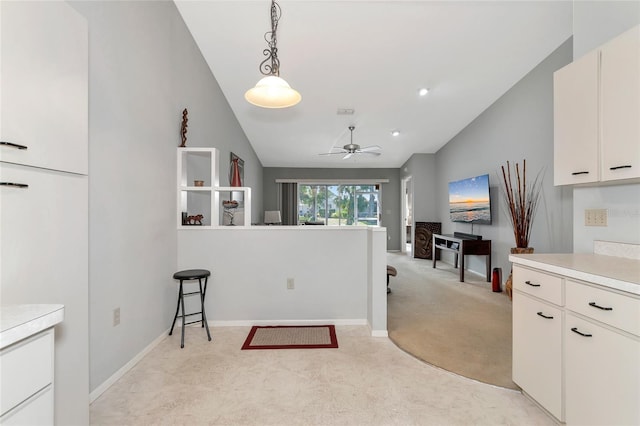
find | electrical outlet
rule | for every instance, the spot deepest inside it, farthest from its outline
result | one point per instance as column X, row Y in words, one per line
column 290, row 284
column 595, row 217
column 116, row 316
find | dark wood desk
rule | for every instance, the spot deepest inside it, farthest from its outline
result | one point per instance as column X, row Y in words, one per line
column 462, row 246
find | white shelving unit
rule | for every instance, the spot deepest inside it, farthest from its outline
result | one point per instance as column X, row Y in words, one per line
column 206, row 199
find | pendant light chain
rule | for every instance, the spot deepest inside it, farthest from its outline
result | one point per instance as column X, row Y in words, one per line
column 271, row 65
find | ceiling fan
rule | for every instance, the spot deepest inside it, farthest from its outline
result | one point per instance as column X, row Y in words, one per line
column 351, row 148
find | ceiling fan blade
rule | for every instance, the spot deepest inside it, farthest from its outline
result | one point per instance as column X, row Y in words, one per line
column 349, row 154
column 332, row 153
column 369, row 152
column 370, row 148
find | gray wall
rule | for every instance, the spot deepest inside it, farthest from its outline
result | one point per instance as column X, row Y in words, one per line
column 390, row 191
column 595, row 23
column 144, row 68
column 519, row 125
column 422, row 169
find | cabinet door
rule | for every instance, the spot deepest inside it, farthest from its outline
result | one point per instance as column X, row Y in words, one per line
column 575, row 127
column 44, row 255
column 537, row 351
column 602, row 375
column 620, row 80
column 44, row 85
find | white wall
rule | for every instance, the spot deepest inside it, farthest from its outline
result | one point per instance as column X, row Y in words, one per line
column 339, row 273
column 144, row 69
column 595, row 23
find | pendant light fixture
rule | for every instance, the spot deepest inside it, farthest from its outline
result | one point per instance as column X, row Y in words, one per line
column 272, row 91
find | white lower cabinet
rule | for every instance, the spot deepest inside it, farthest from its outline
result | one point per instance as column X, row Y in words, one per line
column 26, row 392
column 537, row 351
column 576, row 348
column 602, row 371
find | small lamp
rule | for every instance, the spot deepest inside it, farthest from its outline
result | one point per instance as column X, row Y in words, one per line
column 272, row 217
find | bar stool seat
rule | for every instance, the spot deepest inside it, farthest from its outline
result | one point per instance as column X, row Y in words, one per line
column 188, row 275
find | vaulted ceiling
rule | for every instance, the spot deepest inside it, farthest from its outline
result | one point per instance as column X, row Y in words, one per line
column 372, row 57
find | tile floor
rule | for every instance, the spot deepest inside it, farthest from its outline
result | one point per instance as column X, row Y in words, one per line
column 367, row 381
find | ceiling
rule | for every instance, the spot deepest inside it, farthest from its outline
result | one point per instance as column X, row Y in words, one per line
column 373, row 57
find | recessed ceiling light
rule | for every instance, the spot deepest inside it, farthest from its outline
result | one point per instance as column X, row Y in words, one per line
column 395, row 133
column 423, row 91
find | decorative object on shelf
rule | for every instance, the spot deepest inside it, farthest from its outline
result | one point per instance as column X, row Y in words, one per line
column 272, row 217
column 198, row 183
column 194, row 220
column 184, row 218
column 236, row 171
column 183, row 128
column 229, row 210
column 521, row 203
column 272, row 91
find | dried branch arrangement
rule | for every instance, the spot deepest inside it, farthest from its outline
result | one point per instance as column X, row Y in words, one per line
column 521, row 201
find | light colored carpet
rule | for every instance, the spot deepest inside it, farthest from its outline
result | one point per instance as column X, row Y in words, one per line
column 464, row 328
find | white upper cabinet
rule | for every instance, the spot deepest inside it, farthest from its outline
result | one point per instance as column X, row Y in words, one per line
column 620, row 98
column 575, row 109
column 44, row 86
column 597, row 114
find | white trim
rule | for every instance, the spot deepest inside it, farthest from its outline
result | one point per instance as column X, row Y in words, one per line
column 249, row 323
column 334, row 181
column 125, row 368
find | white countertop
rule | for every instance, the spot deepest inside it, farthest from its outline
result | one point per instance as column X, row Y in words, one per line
column 614, row 272
column 18, row 322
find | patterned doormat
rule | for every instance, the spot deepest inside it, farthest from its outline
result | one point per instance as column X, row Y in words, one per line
column 291, row 337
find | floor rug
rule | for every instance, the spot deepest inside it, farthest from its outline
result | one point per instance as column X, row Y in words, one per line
column 291, row 337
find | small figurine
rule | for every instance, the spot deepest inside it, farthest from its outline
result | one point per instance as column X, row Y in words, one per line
column 183, row 128
column 195, row 220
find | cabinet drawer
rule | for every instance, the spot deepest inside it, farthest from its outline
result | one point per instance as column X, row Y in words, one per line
column 539, row 284
column 25, row 368
column 611, row 308
column 37, row 410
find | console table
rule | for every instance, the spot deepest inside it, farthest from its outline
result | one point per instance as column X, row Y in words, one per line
column 463, row 244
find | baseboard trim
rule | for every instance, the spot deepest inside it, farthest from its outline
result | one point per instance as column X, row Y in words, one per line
column 249, row 323
column 95, row 394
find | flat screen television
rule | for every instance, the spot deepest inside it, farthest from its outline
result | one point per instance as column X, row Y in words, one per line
column 469, row 200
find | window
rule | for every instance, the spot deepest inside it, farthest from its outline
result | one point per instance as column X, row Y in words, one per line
column 338, row 205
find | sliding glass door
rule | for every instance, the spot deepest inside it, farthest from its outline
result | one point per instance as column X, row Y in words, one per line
column 338, row 205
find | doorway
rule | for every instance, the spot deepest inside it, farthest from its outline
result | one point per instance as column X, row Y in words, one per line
column 406, row 243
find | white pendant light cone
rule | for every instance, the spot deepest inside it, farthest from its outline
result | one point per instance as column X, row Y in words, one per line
column 272, row 92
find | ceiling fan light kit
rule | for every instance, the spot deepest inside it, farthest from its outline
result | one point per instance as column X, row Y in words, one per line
column 272, row 91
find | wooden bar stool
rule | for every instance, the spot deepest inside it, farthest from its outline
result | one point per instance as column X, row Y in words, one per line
column 187, row 275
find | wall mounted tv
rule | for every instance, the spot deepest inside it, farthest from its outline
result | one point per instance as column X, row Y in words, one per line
column 469, row 200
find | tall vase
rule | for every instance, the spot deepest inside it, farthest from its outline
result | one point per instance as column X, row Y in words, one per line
column 235, row 173
column 509, row 284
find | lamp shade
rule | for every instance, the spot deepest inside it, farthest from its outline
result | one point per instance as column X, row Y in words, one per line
column 272, row 216
column 272, row 92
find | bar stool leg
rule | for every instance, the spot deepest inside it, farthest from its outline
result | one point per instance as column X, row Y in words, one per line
column 204, row 316
column 183, row 315
column 175, row 317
